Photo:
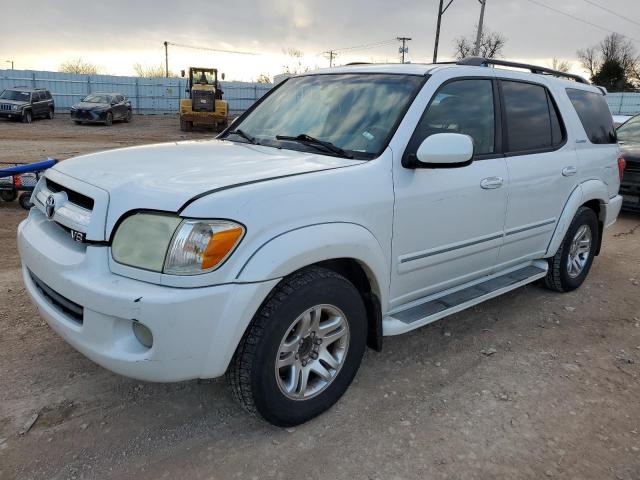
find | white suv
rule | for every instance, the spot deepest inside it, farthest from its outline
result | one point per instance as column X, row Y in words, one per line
column 347, row 205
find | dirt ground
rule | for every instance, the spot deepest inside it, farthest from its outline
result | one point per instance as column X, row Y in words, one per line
column 530, row 385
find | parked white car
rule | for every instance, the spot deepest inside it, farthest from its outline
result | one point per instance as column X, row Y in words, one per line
column 347, row 205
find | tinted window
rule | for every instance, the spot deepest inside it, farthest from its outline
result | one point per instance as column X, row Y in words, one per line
column 37, row 96
column 630, row 130
column 119, row 98
column 463, row 106
column 557, row 130
column 47, row 95
column 529, row 124
column 594, row 114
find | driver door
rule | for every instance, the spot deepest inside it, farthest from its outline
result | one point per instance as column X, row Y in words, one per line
column 449, row 222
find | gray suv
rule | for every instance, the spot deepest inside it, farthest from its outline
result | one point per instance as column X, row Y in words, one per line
column 25, row 104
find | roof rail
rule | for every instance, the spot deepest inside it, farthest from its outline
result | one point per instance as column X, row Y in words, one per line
column 485, row 62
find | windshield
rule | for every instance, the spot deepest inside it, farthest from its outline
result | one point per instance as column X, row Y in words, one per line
column 355, row 112
column 630, row 130
column 15, row 95
column 97, row 98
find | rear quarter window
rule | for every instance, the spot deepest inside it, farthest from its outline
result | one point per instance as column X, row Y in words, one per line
column 594, row 114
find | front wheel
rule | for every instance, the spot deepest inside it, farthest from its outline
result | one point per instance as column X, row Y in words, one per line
column 569, row 267
column 109, row 119
column 27, row 116
column 302, row 349
column 25, row 200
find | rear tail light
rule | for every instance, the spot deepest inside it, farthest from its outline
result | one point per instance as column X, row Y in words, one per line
column 621, row 165
column 17, row 181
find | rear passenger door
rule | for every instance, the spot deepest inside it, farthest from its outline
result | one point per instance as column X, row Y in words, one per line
column 39, row 104
column 542, row 165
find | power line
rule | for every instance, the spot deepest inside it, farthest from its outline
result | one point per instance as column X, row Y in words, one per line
column 403, row 49
column 196, row 47
column 365, row 46
column 612, row 12
column 566, row 14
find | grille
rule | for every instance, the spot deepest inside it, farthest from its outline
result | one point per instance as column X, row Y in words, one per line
column 5, row 106
column 632, row 167
column 72, row 310
column 73, row 196
column 203, row 102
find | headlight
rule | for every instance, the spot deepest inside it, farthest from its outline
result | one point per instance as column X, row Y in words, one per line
column 15, row 107
column 169, row 244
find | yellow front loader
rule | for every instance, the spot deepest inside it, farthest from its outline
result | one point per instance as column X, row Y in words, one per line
column 205, row 105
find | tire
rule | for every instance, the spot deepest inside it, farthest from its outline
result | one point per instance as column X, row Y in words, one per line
column 50, row 113
column 8, row 195
column 108, row 121
column 77, row 122
column 25, row 200
column 27, row 116
column 128, row 117
column 277, row 394
column 562, row 277
column 186, row 126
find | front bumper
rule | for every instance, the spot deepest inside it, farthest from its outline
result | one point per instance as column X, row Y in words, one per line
column 630, row 189
column 10, row 114
column 89, row 115
column 195, row 330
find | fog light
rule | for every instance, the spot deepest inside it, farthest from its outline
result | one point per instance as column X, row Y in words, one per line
column 143, row 334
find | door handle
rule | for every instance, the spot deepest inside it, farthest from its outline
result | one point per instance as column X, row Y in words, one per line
column 490, row 183
column 568, row 171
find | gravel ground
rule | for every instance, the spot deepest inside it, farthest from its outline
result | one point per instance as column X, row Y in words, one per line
column 530, row 385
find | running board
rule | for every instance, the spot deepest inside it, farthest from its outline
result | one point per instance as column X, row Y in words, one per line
column 455, row 300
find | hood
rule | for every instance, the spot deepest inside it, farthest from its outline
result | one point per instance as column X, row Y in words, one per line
column 630, row 151
column 166, row 176
column 13, row 102
column 90, row 105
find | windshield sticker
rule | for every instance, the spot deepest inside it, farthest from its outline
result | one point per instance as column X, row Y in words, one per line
column 367, row 135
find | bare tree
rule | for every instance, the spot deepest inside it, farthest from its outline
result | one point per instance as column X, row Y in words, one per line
column 151, row 71
column 589, row 59
column 263, row 78
column 294, row 64
column 491, row 45
column 560, row 65
column 78, row 66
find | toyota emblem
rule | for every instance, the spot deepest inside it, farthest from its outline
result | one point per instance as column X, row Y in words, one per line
column 50, row 206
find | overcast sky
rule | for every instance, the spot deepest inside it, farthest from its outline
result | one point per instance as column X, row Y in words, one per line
column 40, row 34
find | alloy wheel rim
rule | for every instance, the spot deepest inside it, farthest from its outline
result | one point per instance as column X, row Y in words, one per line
column 312, row 352
column 579, row 251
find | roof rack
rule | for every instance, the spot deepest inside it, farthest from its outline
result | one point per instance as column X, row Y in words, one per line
column 485, row 62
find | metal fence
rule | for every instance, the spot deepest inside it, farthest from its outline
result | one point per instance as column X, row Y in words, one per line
column 627, row 103
column 147, row 95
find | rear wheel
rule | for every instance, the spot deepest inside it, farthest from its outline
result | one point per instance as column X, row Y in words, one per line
column 50, row 114
column 25, row 200
column 77, row 122
column 569, row 267
column 27, row 116
column 8, row 195
column 302, row 349
column 128, row 117
column 108, row 121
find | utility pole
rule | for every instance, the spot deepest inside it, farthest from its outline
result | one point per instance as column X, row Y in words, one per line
column 11, row 62
column 331, row 54
column 440, row 13
column 166, row 59
column 403, row 49
column 476, row 51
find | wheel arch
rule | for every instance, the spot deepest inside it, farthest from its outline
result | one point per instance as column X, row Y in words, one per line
column 346, row 248
column 591, row 194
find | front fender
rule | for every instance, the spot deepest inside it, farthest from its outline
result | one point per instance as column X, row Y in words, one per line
column 298, row 248
column 586, row 191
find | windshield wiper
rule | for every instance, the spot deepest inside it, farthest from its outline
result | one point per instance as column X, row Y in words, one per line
column 316, row 142
column 251, row 139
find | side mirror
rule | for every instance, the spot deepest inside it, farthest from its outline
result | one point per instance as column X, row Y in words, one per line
column 443, row 150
